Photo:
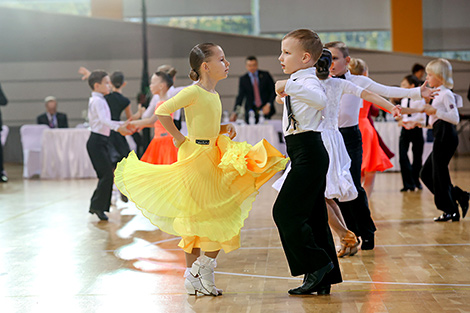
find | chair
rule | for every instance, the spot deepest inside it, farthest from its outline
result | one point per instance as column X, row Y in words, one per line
column 4, row 133
column 31, row 141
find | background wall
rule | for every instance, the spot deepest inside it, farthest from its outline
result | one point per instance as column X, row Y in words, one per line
column 41, row 54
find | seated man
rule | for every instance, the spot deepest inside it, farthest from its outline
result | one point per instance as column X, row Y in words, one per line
column 52, row 118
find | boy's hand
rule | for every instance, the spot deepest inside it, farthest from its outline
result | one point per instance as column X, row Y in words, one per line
column 84, row 72
column 429, row 109
column 280, row 87
column 428, row 93
column 123, row 130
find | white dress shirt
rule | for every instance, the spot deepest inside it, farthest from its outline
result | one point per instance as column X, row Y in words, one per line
column 414, row 104
column 156, row 99
column 350, row 105
column 446, row 107
column 99, row 115
column 308, row 98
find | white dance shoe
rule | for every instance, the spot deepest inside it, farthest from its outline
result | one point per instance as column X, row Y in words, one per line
column 201, row 278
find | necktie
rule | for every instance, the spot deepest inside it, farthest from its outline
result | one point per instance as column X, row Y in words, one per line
column 256, row 92
column 51, row 122
column 340, row 76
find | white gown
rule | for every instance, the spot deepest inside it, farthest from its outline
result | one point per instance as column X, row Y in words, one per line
column 339, row 182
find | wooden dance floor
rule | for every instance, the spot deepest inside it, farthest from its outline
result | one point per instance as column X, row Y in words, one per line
column 55, row 257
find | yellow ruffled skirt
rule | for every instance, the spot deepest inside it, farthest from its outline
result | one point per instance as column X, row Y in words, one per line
column 206, row 195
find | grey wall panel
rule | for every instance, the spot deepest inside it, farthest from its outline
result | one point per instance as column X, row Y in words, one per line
column 278, row 16
column 132, row 8
column 446, row 25
column 27, row 80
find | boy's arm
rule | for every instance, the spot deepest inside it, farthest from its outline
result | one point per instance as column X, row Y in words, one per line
column 309, row 91
column 450, row 114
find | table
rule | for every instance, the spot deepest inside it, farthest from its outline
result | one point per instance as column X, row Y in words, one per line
column 64, row 154
column 255, row 133
column 390, row 133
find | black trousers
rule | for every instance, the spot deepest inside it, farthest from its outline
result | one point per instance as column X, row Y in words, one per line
column 119, row 148
column 435, row 172
column 410, row 172
column 98, row 150
column 300, row 210
column 356, row 212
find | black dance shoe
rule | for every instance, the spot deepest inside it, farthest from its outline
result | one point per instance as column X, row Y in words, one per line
column 100, row 215
column 368, row 243
column 454, row 217
column 420, row 187
column 463, row 199
column 407, row 189
column 323, row 290
column 312, row 280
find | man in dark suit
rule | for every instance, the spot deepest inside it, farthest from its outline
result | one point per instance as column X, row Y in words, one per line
column 52, row 118
column 257, row 89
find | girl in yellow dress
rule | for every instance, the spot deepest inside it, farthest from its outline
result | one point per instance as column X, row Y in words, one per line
column 207, row 194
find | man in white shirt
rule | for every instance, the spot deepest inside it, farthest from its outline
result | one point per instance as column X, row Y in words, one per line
column 356, row 213
column 99, row 117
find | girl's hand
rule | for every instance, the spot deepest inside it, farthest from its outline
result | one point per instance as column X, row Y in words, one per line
column 231, row 131
column 396, row 111
column 428, row 93
column 429, row 109
column 179, row 142
column 280, row 87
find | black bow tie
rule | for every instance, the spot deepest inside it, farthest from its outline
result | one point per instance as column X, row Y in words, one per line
column 340, row 76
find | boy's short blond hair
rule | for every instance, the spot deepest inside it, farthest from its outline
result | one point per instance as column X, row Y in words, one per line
column 341, row 46
column 309, row 40
column 443, row 70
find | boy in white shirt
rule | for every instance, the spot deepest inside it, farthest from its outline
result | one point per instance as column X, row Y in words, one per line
column 99, row 117
column 300, row 211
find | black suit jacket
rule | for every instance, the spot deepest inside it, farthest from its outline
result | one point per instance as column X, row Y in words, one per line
column 61, row 120
column 266, row 90
column 3, row 101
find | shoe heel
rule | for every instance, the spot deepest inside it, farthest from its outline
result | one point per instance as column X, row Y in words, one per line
column 324, row 290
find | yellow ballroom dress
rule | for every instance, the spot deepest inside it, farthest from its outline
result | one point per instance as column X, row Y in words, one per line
column 206, row 195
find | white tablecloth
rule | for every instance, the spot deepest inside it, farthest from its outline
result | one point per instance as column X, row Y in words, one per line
column 64, row 154
column 255, row 133
column 390, row 133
